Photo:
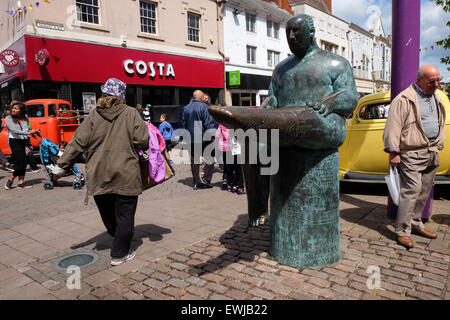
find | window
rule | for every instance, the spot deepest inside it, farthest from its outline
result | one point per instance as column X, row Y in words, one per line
column 87, row 11
column 250, row 22
column 273, row 58
column 35, row 111
column 52, row 110
column 193, row 27
column 251, row 55
column 269, row 28
column 148, row 16
column 273, row 29
column 276, row 30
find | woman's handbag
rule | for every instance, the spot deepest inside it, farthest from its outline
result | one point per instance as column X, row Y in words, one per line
column 147, row 181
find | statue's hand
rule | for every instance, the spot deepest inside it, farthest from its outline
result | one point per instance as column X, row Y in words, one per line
column 323, row 108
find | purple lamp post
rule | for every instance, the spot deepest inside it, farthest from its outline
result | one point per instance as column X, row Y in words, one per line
column 405, row 62
column 405, row 44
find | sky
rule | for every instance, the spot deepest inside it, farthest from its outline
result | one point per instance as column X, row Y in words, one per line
column 432, row 25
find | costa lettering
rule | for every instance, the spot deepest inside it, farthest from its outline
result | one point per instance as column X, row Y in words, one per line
column 152, row 68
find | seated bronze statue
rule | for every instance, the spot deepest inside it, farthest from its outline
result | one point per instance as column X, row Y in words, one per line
column 311, row 92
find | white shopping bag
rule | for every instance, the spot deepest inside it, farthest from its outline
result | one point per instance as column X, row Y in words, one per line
column 393, row 184
column 235, row 147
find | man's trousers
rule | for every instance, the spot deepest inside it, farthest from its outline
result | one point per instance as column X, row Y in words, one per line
column 417, row 170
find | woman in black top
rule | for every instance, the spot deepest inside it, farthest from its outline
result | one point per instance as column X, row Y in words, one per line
column 18, row 138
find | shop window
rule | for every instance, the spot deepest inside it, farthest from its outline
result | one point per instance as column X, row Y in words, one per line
column 36, row 111
column 87, row 11
column 148, row 16
column 193, row 27
column 250, row 22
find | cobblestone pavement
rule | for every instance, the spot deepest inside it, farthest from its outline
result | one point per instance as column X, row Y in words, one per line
column 196, row 245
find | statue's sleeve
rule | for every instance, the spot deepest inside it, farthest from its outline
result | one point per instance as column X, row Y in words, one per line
column 346, row 102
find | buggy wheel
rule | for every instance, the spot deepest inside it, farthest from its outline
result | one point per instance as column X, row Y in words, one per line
column 77, row 185
column 48, row 186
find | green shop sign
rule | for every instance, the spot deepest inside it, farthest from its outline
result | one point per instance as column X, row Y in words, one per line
column 234, row 78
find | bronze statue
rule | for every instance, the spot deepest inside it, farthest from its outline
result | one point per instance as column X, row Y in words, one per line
column 310, row 94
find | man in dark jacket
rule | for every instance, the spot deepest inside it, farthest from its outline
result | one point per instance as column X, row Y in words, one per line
column 110, row 134
column 196, row 119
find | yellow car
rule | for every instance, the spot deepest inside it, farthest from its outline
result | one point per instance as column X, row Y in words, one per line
column 361, row 157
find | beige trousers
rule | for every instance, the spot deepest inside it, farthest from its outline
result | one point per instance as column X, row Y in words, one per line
column 417, row 170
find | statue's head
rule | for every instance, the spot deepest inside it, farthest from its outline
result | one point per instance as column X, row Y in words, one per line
column 300, row 33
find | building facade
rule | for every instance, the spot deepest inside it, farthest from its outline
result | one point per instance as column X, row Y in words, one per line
column 255, row 42
column 163, row 50
column 368, row 51
column 331, row 32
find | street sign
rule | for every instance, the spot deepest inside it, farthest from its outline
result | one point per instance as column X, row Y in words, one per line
column 234, row 78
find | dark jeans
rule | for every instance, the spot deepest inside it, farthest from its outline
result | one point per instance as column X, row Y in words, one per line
column 3, row 159
column 195, row 163
column 117, row 213
column 20, row 158
column 233, row 173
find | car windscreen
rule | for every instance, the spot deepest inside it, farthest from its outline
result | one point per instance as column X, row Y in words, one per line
column 35, row 111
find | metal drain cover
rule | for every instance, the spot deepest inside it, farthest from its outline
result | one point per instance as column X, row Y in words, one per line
column 82, row 259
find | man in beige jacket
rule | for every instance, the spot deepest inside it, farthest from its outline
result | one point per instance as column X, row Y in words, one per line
column 414, row 133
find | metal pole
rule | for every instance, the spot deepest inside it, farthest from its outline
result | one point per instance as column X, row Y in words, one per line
column 405, row 44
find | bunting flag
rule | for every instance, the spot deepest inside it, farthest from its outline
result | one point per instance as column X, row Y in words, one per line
column 24, row 8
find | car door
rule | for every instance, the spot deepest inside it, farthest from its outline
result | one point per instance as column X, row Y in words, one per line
column 364, row 149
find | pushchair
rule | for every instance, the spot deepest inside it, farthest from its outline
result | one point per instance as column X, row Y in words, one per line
column 48, row 152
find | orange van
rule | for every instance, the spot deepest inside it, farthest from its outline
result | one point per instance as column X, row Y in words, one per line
column 54, row 117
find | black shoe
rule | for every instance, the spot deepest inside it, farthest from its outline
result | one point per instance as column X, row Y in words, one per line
column 207, row 183
column 8, row 185
column 224, row 185
column 200, row 185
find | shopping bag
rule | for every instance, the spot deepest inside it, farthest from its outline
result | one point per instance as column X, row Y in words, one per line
column 147, row 181
column 393, row 184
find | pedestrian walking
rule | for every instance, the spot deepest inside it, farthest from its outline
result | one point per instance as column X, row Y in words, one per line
column 146, row 112
column 196, row 120
column 3, row 160
column 224, row 148
column 166, row 130
column 413, row 136
column 111, row 134
column 17, row 124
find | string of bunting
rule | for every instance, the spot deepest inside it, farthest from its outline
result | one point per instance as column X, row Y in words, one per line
column 432, row 47
column 24, row 8
column 438, row 44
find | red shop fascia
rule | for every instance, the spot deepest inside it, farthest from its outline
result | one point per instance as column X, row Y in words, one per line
column 50, row 64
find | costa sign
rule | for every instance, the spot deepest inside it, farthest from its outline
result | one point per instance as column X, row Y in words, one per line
column 9, row 58
column 151, row 68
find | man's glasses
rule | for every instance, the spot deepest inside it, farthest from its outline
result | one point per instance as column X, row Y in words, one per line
column 433, row 81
